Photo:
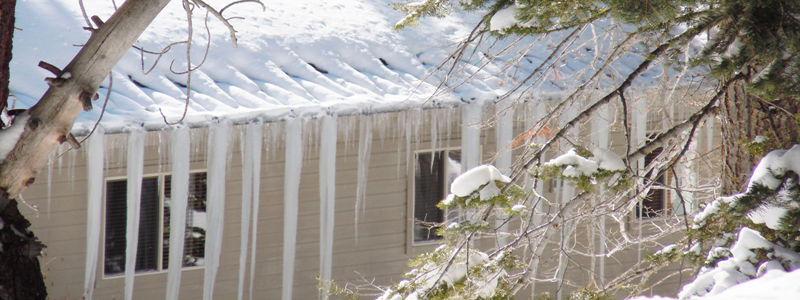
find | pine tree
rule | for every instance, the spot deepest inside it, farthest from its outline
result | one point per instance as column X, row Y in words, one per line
column 751, row 49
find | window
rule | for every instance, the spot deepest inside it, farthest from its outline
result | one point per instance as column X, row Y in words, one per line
column 433, row 174
column 653, row 204
column 153, row 250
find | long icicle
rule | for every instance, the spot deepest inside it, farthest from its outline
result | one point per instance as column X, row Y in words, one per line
column 134, row 195
column 94, row 167
column 252, row 136
column 247, row 203
column 179, row 197
column 504, row 111
column 364, row 149
column 256, row 137
column 294, row 165
column 327, row 197
column 215, row 207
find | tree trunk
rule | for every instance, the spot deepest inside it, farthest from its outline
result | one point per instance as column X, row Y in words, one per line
column 48, row 125
column 744, row 117
column 6, row 39
column 20, row 273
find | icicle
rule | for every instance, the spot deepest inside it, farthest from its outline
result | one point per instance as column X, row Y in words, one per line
column 218, row 134
column 179, row 190
column 640, row 129
column 600, row 128
column 251, row 152
column 470, row 136
column 567, row 192
column 364, row 149
column 535, row 114
column 504, row 133
column 291, row 186
column 448, row 123
column 134, row 196
column 94, row 170
column 408, row 139
column 434, row 131
column 256, row 146
column 709, row 134
column 327, row 197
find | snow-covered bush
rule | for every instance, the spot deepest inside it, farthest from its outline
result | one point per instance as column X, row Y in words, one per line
column 586, row 169
column 746, row 235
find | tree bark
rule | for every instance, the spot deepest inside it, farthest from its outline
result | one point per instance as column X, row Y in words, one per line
column 744, row 117
column 6, row 39
column 48, row 125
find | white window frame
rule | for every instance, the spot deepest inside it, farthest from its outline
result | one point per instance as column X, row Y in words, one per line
column 159, row 262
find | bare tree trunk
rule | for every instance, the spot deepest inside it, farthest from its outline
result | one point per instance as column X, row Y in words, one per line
column 6, row 39
column 48, row 125
column 743, row 118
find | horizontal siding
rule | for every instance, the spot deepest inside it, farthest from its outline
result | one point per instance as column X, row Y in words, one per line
column 378, row 252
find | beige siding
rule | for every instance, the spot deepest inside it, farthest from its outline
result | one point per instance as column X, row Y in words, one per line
column 381, row 249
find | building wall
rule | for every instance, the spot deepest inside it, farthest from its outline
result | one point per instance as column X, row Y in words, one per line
column 378, row 255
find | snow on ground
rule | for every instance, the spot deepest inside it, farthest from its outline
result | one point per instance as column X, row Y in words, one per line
column 296, row 58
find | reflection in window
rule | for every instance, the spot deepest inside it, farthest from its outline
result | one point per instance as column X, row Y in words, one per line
column 153, row 225
column 433, row 174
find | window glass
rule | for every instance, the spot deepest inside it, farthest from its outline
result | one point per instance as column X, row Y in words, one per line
column 433, row 174
column 195, row 232
column 116, row 224
column 653, row 204
column 153, row 244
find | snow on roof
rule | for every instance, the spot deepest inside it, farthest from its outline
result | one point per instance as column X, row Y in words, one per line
column 296, row 58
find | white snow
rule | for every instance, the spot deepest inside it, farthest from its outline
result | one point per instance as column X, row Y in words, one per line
column 775, row 284
column 518, row 208
column 135, row 171
column 739, row 267
column 218, row 139
column 503, row 19
column 94, row 168
column 577, row 165
column 368, row 67
column 775, row 163
column 10, row 135
column 179, row 198
column 482, row 179
column 291, row 189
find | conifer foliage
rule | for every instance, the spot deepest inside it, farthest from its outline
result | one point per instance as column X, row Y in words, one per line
column 732, row 239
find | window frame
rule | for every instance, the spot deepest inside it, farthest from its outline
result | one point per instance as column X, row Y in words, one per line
column 160, row 269
column 411, row 188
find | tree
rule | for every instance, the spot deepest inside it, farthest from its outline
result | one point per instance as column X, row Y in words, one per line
column 48, row 123
column 749, row 54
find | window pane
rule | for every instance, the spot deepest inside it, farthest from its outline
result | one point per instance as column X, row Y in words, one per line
column 116, row 217
column 653, row 202
column 429, row 188
column 116, row 224
column 147, row 253
column 195, row 234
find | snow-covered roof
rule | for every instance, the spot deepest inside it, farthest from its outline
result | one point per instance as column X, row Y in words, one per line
column 296, row 58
